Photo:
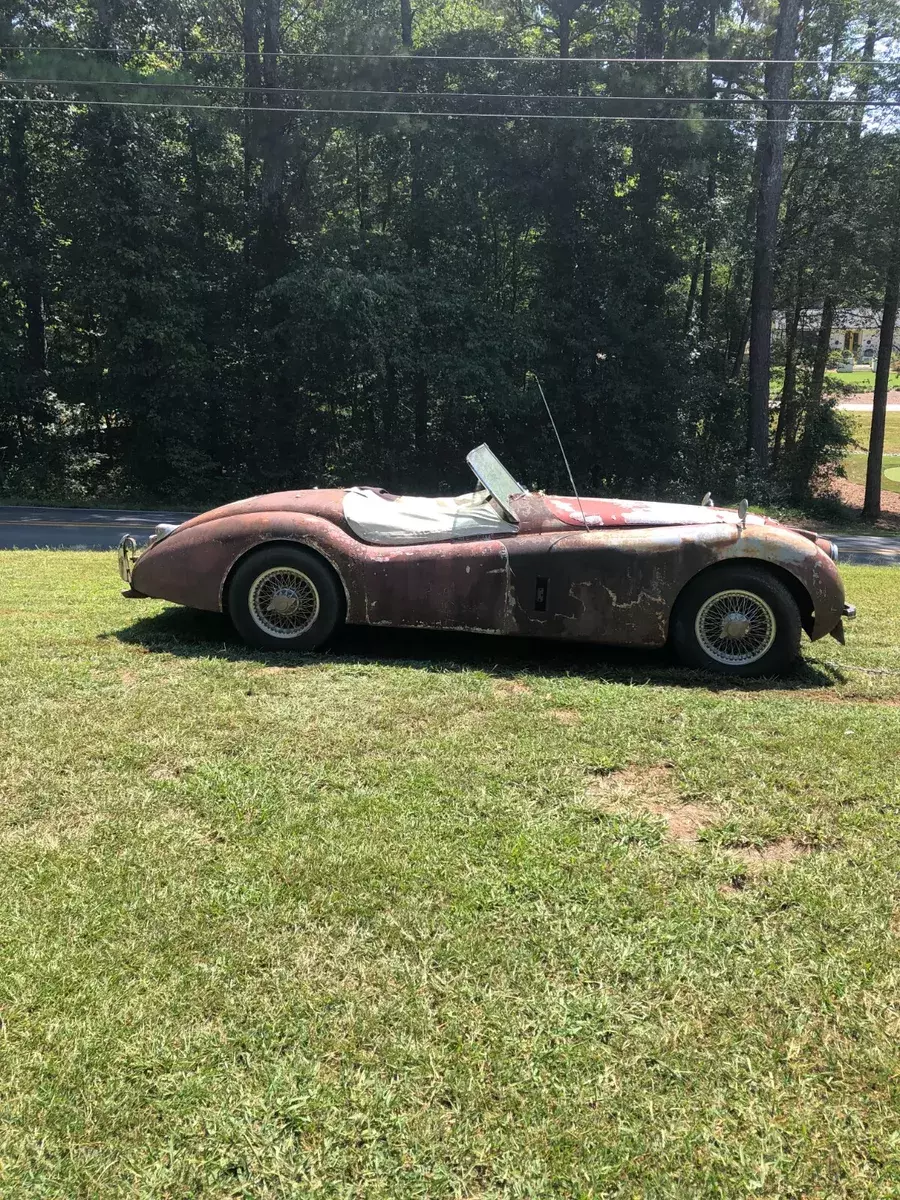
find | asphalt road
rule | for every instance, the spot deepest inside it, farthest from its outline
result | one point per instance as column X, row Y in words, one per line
column 76, row 528
column 101, row 529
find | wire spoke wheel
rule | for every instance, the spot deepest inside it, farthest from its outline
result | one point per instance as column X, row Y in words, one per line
column 283, row 602
column 735, row 628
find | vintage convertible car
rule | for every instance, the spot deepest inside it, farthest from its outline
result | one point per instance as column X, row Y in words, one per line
column 731, row 591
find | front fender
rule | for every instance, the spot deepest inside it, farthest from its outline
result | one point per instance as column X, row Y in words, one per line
column 191, row 565
column 802, row 558
column 624, row 582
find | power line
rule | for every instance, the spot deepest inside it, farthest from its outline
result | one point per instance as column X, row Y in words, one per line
column 401, row 112
column 340, row 91
column 433, row 58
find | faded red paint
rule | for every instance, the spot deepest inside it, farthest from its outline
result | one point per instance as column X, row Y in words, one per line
column 614, row 582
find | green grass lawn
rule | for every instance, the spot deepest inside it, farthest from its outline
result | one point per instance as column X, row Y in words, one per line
column 862, row 424
column 437, row 916
column 855, row 469
column 864, row 380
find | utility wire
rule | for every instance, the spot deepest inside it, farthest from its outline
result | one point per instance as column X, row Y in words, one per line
column 402, row 112
column 339, row 91
column 432, row 58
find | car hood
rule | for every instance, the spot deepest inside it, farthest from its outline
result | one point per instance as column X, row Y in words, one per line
column 599, row 514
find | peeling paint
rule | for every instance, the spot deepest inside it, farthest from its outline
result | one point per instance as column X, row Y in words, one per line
column 614, row 582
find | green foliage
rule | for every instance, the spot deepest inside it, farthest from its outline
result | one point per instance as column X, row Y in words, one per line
column 194, row 305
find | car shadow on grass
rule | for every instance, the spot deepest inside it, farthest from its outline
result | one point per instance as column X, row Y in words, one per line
column 188, row 633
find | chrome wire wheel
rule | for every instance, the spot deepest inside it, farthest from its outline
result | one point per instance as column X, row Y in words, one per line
column 735, row 628
column 283, row 602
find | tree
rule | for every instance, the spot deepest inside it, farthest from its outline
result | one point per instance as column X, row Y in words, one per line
column 779, row 74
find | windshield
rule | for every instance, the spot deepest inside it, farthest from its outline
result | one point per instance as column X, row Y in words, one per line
column 494, row 476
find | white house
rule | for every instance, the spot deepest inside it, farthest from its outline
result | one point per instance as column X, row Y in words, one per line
column 855, row 329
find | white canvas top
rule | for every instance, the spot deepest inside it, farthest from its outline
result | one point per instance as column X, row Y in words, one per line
column 411, row 520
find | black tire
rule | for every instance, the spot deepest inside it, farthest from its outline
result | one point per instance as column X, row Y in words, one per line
column 760, row 602
column 305, row 587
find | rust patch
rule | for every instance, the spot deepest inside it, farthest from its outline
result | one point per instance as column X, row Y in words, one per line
column 651, row 791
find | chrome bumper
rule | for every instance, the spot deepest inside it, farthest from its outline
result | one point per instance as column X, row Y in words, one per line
column 128, row 553
column 848, row 612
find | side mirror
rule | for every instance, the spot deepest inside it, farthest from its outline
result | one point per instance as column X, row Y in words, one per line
column 742, row 513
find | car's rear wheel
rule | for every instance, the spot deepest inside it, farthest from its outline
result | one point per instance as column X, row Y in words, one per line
column 285, row 598
column 738, row 619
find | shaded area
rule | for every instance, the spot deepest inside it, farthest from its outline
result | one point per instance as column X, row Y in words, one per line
column 189, row 633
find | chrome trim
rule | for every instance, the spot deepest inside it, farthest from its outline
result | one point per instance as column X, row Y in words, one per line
column 128, row 553
column 849, row 611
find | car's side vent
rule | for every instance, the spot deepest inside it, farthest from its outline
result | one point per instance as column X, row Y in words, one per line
column 540, row 594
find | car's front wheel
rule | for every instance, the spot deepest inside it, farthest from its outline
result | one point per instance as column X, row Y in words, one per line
column 738, row 619
column 285, row 598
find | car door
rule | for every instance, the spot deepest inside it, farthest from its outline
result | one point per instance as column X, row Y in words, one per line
column 461, row 584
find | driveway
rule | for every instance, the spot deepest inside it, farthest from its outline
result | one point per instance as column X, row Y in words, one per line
column 75, row 528
column 867, row 551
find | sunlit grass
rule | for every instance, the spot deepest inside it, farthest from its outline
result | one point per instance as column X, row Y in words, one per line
column 368, row 924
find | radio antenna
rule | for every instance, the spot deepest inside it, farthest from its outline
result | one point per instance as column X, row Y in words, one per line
column 532, row 375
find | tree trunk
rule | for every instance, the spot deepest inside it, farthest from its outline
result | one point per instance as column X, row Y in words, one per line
column 789, row 390
column 406, row 24
column 420, row 242
column 30, row 272
column 272, row 246
column 823, row 348
column 650, row 43
column 692, row 290
column 706, row 289
column 252, row 82
column 872, row 503
column 779, row 76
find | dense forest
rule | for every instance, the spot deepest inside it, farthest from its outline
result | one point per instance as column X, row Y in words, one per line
column 247, row 244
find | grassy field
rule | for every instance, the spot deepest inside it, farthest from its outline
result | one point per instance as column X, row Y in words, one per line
column 438, row 916
column 855, row 463
column 862, row 423
column 855, row 469
column 864, row 380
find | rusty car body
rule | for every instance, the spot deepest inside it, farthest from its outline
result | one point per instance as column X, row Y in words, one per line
column 291, row 567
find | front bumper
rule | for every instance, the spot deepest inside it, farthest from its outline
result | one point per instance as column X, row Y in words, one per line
column 848, row 612
column 128, row 553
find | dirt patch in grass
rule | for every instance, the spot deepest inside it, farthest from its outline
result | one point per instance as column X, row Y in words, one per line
column 853, row 494
column 49, row 833
column 652, row 791
column 757, row 858
column 565, row 716
column 511, row 687
column 168, row 771
column 784, row 850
